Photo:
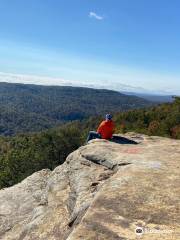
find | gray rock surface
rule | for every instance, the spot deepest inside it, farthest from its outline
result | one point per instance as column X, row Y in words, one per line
column 104, row 190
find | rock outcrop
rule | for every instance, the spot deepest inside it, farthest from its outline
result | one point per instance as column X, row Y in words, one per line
column 103, row 191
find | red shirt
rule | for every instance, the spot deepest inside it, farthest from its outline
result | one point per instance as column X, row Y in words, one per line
column 106, row 129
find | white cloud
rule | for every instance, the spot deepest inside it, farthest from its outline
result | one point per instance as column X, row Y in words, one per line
column 94, row 15
column 101, row 84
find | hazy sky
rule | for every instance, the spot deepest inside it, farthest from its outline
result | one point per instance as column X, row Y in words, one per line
column 132, row 42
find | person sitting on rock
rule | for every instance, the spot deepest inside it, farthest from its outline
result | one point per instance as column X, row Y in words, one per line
column 105, row 129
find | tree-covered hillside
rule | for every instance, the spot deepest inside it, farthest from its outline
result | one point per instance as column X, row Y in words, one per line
column 162, row 120
column 31, row 108
column 24, row 154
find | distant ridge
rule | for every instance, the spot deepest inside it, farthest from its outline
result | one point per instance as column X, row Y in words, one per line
column 152, row 97
column 55, row 81
column 29, row 108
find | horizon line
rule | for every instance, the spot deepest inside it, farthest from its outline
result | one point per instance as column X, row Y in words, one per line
column 31, row 79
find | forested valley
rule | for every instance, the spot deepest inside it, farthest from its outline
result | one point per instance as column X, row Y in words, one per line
column 25, row 153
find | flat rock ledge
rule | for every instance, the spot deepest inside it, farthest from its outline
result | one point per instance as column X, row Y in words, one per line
column 103, row 191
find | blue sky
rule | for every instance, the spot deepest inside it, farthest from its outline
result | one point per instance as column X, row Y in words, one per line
column 93, row 42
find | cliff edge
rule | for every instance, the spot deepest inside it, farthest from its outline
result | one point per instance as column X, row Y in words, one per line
column 103, row 191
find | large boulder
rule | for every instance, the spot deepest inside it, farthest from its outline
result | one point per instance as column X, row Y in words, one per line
column 104, row 190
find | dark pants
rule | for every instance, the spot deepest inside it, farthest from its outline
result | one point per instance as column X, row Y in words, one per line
column 93, row 135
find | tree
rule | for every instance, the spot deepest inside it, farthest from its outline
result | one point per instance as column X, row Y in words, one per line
column 153, row 127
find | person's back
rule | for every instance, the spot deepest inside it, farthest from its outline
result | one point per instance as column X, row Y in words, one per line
column 106, row 129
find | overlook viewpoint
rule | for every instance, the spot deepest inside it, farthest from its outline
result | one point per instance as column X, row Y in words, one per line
column 89, row 120
column 102, row 191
